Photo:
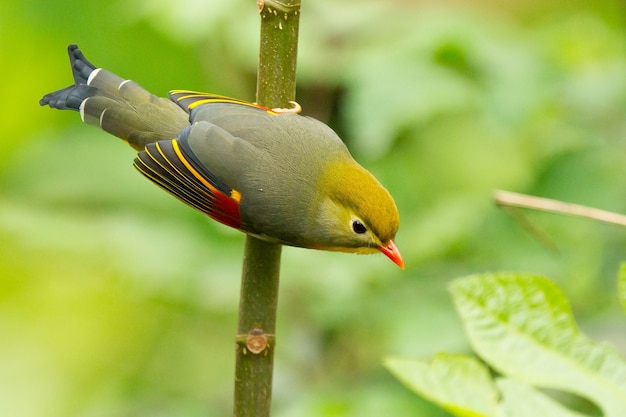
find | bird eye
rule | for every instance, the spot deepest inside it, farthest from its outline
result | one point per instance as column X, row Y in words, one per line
column 358, row 227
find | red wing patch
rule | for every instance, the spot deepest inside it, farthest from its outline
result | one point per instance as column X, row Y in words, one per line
column 167, row 165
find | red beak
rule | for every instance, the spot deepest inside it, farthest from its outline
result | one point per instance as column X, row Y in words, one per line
column 392, row 252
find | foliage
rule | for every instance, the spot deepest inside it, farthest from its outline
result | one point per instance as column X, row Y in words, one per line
column 117, row 300
column 522, row 326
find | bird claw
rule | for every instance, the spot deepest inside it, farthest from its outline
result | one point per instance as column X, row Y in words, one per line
column 296, row 109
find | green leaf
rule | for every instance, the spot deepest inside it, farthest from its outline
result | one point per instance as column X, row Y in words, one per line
column 621, row 285
column 520, row 400
column 522, row 326
column 459, row 384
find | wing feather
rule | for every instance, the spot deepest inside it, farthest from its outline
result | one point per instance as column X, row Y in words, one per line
column 189, row 100
column 178, row 172
column 152, row 165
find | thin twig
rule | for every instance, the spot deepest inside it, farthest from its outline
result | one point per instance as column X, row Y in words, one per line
column 508, row 198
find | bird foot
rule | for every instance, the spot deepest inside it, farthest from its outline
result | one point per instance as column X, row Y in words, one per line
column 296, row 109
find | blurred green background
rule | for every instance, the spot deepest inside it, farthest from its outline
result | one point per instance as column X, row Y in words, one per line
column 117, row 300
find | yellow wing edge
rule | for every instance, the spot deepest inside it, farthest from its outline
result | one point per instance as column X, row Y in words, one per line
column 189, row 100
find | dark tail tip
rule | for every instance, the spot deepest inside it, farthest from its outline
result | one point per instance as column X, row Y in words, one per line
column 68, row 98
column 71, row 97
column 81, row 67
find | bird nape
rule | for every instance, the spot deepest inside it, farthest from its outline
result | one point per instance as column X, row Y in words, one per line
column 271, row 173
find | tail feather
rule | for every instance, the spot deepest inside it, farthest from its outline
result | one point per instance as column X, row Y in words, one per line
column 81, row 67
column 118, row 106
column 70, row 98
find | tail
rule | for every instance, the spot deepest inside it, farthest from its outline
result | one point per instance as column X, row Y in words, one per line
column 117, row 106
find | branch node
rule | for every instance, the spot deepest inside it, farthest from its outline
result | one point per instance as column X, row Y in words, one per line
column 256, row 341
column 276, row 6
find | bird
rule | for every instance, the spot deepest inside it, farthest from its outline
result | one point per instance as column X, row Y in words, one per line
column 271, row 173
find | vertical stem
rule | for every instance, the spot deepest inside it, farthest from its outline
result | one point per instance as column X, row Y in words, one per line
column 256, row 328
column 276, row 80
column 276, row 86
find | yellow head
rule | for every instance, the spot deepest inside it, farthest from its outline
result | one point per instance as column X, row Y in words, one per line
column 356, row 213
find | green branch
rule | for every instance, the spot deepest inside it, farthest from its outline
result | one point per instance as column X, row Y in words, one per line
column 276, row 81
column 276, row 86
